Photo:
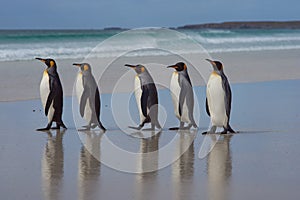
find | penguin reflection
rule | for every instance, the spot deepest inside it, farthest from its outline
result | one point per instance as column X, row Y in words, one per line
column 89, row 165
column 147, row 165
column 183, row 168
column 219, row 168
column 53, row 165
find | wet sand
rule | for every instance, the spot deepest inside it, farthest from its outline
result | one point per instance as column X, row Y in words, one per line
column 260, row 162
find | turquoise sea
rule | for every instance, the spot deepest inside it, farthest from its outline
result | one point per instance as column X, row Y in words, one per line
column 16, row 45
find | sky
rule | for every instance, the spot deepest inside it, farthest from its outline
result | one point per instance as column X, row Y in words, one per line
column 95, row 14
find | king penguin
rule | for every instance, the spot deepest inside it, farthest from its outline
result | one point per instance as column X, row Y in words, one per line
column 88, row 96
column 182, row 96
column 51, row 95
column 218, row 99
column 146, row 97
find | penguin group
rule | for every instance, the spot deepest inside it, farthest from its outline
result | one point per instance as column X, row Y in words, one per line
column 218, row 97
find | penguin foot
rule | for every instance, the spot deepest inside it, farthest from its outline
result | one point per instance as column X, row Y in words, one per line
column 180, row 128
column 55, row 128
column 101, row 127
column 229, row 129
column 223, row 132
column 62, row 125
column 59, row 124
column 136, row 128
column 205, row 133
column 43, row 129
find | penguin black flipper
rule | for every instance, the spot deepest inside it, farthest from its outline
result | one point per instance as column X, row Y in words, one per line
column 227, row 90
column 182, row 97
column 144, row 99
column 228, row 94
column 49, row 101
column 51, row 96
column 83, row 101
column 97, row 103
column 97, row 108
column 207, row 108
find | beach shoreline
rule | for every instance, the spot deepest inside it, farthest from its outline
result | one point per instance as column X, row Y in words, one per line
column 19, row 80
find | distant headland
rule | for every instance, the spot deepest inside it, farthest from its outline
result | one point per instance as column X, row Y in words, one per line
column 246, row 25
column 234, row 25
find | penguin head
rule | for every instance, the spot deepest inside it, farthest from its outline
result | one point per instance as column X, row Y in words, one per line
column 179, row 66
column 84, row 67
column 138, row 68
column 49, row 62
column 217, row 65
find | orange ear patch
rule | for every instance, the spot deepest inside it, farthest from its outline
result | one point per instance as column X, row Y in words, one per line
column 184, row 67
column 52, row 63
column 143, row 69
column 85, row 67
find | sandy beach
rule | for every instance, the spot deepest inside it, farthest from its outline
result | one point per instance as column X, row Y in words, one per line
column 19, row 80
column 260, row 162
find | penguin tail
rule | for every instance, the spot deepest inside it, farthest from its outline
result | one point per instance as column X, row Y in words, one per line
column 158, row 125
column 63, row 125
column 101, row 126
column 194, row 123
column 230, row 129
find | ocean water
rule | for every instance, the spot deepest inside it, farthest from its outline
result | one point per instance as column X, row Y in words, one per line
column 18, row 45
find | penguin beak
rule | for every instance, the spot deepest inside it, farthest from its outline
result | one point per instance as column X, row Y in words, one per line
column 212, row 63
column 132, row 66
column 172, row 66
column 41, row 59
column 77, row 64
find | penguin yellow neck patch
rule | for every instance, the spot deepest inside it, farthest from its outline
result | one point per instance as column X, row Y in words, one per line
column 214, row 73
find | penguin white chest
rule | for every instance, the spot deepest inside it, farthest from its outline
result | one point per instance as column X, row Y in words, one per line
column 216, row 100
column 79, row 91
column 175, row 93
column 138, row 95
column 44, row 93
